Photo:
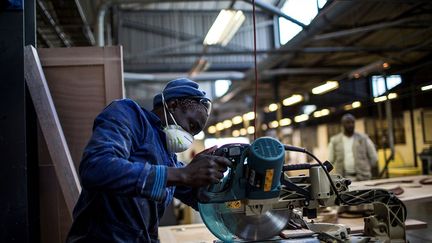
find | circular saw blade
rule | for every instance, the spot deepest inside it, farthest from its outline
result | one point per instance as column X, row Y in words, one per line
column 228, row 224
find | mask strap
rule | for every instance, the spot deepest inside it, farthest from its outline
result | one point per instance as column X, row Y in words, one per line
column 166, row 107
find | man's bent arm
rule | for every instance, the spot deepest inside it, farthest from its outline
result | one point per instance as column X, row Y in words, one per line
column 106, row 166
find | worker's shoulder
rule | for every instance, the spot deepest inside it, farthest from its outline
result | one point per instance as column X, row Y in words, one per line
column 361, row 135
column 126, row 108
column 123, row 106
column 123, row 103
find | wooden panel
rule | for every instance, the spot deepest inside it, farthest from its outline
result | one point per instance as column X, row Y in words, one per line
column 78, row 100
column 82, row 80
column 81, row 87
column 51, row 128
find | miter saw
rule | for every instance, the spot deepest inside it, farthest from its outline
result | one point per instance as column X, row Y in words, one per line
column 256, row 200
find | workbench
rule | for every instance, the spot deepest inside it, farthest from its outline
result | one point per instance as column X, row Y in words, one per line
column 413, row 192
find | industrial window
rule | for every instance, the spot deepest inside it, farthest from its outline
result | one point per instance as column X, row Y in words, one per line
column 301, row 10
column 221, row 87
column 379, row 84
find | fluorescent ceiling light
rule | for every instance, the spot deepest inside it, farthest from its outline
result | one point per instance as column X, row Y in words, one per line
column 273, row 107
column 293, row 99
column 355, row 104
column 301, row 118
column 324, row 88
column 251, row 130
column 227, row 123
column 427, row 87
column 264, row 127
column 219, row 126
column 243, row 131
column 384, row 98
column 237, row 120
column 321, row 113
column 211, row 129
column 249, row 116
column 392, row 96
column 225, row 26
column 380, row 99
column 285, row 122
column 235, row 133
column 274, row 124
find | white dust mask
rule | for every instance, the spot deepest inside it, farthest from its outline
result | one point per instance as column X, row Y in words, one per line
column 177, row 139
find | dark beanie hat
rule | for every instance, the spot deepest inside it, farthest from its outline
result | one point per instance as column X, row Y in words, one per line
column 179, row 88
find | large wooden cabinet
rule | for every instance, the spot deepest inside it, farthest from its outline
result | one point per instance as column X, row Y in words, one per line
column 82, row 81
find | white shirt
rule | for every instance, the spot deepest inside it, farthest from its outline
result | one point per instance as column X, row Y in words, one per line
column 348, row 154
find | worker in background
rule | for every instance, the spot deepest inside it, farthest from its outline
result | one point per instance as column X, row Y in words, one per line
column 352, row 154
column 129, row 171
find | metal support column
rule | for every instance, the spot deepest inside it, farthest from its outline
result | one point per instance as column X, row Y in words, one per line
column 18, row 201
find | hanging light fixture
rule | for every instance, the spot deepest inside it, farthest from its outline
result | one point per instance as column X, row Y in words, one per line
column 225, row 26
column 324, row 88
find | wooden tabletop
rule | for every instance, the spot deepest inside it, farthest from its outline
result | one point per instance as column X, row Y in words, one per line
column 198, row 233
column 413, row 190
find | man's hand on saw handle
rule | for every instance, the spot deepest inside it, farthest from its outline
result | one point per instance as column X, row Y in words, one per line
column 204, row 169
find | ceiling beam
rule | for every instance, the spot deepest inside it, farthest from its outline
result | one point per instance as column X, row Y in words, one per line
column 276, row 11
column 58, row 30
column 308, row 70
column 311, row 50
column 157, row 30
column 368, row 28
column 204, row 76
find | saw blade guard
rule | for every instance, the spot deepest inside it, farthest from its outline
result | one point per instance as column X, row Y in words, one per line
column 211, row 214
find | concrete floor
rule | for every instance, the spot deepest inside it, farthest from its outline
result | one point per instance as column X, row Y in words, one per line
column 420, row 211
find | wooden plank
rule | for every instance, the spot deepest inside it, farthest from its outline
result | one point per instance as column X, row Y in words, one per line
column 76, row 56
column 357, row 224
column 413, row 191
column 189, row 233
column 51, row 128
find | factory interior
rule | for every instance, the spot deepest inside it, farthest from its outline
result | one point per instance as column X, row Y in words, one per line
column 322, row 108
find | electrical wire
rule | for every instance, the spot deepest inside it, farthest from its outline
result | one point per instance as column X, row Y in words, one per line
column 302, row 150
column 255, row 69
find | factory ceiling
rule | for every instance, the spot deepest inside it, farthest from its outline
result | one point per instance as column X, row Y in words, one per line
column 346, row 42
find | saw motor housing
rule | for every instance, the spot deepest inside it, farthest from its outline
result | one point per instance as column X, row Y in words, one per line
column 255, row 173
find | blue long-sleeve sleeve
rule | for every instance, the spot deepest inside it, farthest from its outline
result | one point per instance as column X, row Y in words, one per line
column 107, row 165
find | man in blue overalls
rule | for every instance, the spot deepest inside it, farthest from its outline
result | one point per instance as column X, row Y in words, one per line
column 129, row 171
